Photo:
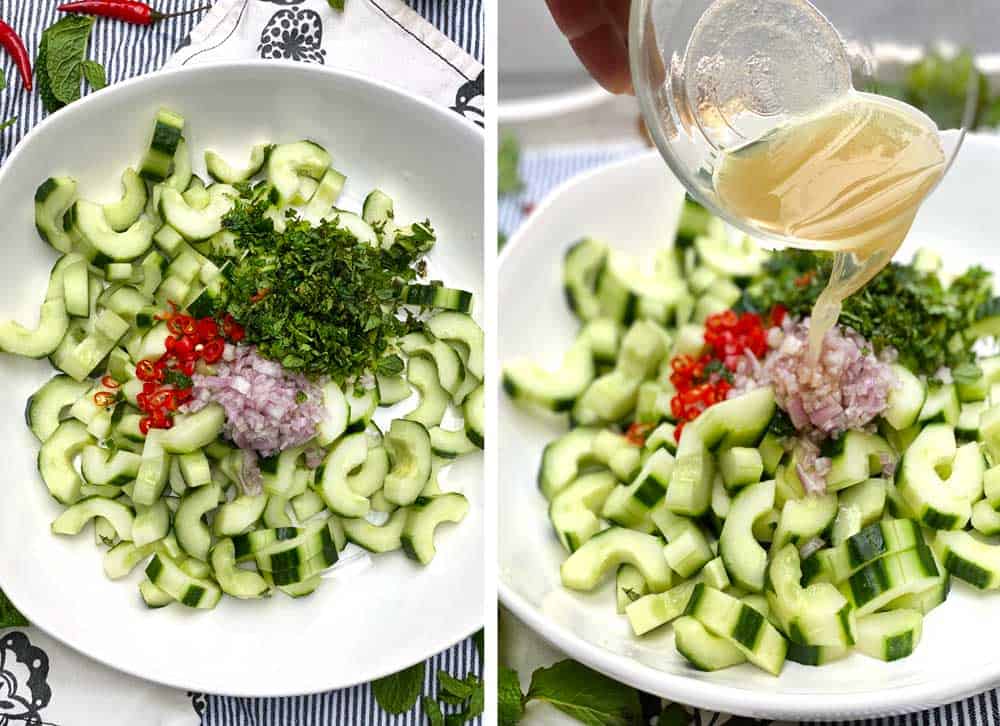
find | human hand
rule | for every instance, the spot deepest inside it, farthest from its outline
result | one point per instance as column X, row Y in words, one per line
column 597, row 30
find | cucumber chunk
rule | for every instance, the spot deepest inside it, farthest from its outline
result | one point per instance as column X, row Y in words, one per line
column 425, row 514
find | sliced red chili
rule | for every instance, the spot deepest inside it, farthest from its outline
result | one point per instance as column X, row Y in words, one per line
column 145, row 424
column 105, row 399
column 184, row 348
column 212, row 351
column 145, row 370
column 109, row 382
column 208, row 330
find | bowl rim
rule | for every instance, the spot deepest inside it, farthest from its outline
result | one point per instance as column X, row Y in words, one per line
column 440, row 113
column 691, row 691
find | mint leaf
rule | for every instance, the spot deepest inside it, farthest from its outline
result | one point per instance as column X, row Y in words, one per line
column 336, row 4
column 66, row 47
column 509, row 697
column 49, row 100
column 95, row 75
column 586, row 695
column 461, row 690
column 178, row 379
column 8, row 122
column 10, row 617
column 433, row 712
column 397, row 693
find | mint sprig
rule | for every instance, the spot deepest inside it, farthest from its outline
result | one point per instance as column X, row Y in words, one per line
column 399, row 692
column 10, row 617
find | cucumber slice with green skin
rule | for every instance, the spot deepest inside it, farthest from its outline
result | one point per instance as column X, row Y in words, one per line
column 704, row 651
column 288, row 162
column 739, row 624
column 377, row 538
column 739, row 421
column 239, row 515
column 194, row 431
column 969, row 418
column 235, row 581
column 151, row 523
column 585, row 568
column 334, row 423
column 690, row 489
column 450, row 444
column 629, row 587
column 991, row 486
column 126, row 211
column 152, row 596
column 353, row 225
column 652, row 611
column 250, row 543
column 76, row 288
column 278, row 471
column 377, row 209
column 53, row 321
column 104, row 467
column 629, row 506
column 45, row 407
column 438, row 296
column 196, row 568
column 196, row 195
column 303, row 588
column 926, row 600
column 688, row 553
column 361, row 404
column 153, row 469
column 968, row 558
column 859, row 457
column 714, row 574
column 371, row 476
column 325, row 197
column 120, row 272
column 604, row 336
column 564, row 458
column 721, row 501
column 875, row 541
column 276, row 511
column 193, row 592
column 409, row 446
column 220, row 170
column 803, row 519
column 307, row 505
column 349, row 453
column 662, row 437
column 745, row 559
column 169, row 241
column 197, row 224
column 985, row 519
column 906, row 399
column 105, row 245
column 743, row 260
column 474, row 411
column 79, row 358
column 195, row 468
column 53, row 198
column 55, row 460
column 815, row 655
column 882, row 581
column 890, row 636
column 121, row 559
column 526, row 382
column 76, row 517
column 450, row 372
column 167, row 130
column 573, row 511
column 618, row 454
column 463, row 333
column 392, row 389
column 582, row 265
column 771, row 453
column 628, row 291
column 941, row 405
column 815, row 615
column 193, row 534
column 422, row 520
column 740, row 466
column 941, row 503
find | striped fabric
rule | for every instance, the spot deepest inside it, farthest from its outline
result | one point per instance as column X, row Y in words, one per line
column 349, row 707
column 460, row 21
column 542, row 170
column 127, row 51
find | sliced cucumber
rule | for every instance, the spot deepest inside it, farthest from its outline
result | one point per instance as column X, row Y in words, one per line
column 193, row 534
column 745, row 559
column 220, row 170
column 53, row 321
column 409, row 447
column 46, row 406
column 126, row 211
column 906, row 399
column 705, row 651
column 197, row 224
column 422, row 520
column 288, row 162
column 55, row 460
column 564, row 458
column 890, row 636
column 73, row 520
column 573, row 511
column 525, row 381
column 159, row 158
column 53, row 198
column 104, row 244
column 587, row 566
column 234, row 581
column 193, row 592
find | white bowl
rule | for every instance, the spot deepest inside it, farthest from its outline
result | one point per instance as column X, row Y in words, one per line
column 368, row 620
column 636, row 201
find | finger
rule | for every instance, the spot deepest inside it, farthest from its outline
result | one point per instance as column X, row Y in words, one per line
column 576, row 18
column 605, row 56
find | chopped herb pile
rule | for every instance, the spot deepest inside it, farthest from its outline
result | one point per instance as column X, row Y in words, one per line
column 902, row 307
column 316, row 299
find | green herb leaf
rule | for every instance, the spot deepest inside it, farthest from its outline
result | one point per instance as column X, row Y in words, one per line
column 176, row 378
column 454, row 687
column 586, row 695
column 399, row 692
column 9, row 122
column 391, row 365
column 49, row 100
column 510, row 700
column 966, row 373
column 508, row 157
column 673, row 715
column 336, row 4
column 433, row 712
column 9, row 615
column 95, row 74
column 66, row 48
column 3, row 80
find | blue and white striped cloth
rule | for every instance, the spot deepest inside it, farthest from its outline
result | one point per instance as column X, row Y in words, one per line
column 127, row 51
column 542, row 170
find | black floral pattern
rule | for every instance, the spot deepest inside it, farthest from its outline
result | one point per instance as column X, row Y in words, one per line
column 295, row 34
column 24, row 673
column 198, row 702
column 467, row 93
column 284, row 2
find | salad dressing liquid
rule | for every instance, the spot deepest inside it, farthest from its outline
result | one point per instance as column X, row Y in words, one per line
column 848, row 179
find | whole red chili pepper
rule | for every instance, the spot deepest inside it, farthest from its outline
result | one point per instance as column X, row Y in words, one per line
column 13, row 44
column 137, row 13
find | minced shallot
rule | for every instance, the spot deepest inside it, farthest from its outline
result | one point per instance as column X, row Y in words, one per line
column 267, row 408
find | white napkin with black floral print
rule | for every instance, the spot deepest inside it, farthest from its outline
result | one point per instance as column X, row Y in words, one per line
column 383, row 40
